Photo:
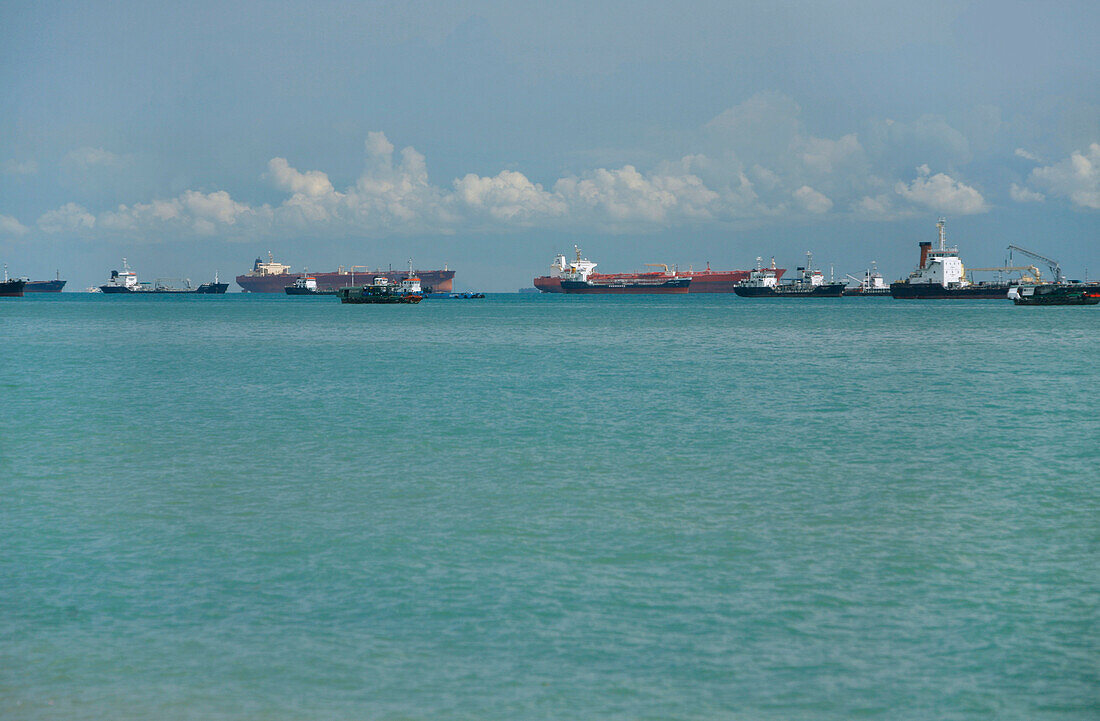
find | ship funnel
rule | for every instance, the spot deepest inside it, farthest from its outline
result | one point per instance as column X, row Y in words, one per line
column 925, row 246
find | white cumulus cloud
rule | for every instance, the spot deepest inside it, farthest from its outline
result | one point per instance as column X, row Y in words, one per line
column 68, row 218
column 11, row 226
column 19, row 167
column 1024, row 195
column 87, row 157
column 1077, row 177
column 942, row 193
column 812, row 201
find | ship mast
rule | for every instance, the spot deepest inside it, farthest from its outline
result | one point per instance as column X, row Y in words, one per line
column 943, row 233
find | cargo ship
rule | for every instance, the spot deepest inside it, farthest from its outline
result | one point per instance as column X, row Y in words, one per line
column 941, row 275
column 126, row 281
column 273, row 277
column 1074, row 293
column 11, row 287
column 764, row 283
column 702, row 281
column 578, row 276
column 45, row 286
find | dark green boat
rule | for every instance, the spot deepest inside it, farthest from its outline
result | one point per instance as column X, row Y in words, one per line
column 1056, row 294
column 383, row 291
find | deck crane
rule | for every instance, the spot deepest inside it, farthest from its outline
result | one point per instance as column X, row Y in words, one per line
column 1054, row 266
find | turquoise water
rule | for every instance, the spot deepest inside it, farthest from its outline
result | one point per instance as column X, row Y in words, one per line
column 548, row 507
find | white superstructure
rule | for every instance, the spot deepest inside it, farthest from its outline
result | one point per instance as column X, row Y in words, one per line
column 941, row 265
column 578, row 269
column 126, row 278
column 761, row 277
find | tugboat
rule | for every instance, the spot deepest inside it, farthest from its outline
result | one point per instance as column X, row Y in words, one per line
column 307, row 285
column 383, row 290
column 127, row 282
column 764, row 283
column 871, row 283
column 12, row 287
column 1056, row 294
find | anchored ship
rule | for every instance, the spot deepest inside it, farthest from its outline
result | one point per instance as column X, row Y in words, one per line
column 942, row 275
column 45, row 286
column 307, row 285
column 764, row 283
column 273, row 277
column 12, row 287
column 1056, row 294
column 383, row 290
column 702, row 281
column 871, row 283
column 126, row 281
column 579, row 276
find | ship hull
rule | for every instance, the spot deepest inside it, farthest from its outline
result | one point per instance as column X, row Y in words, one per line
column 1060, row 295
column 828, row 290
column 441, row 281
column 12, row 288
column 881, row 292
column 935, row 291
column 672, row 285
column 295, row 290
column 44, row 286
column 701, row 282
column 204, row 289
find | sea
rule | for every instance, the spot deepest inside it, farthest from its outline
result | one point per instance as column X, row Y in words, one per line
column 548, row 507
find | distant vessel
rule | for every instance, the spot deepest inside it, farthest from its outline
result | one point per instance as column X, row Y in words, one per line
column 702, row 281
column 45, row 286
column 127, row 282
column 871, row 283
column 764, row 283
column 579, row 276
column 272, row 277
column 307, row 285
column 383, row 290
column 1056, row 294
column 11, row 287
column 941, row 275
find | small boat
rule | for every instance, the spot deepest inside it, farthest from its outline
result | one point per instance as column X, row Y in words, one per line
column 383, row 290
column 872, row 283
column 307, row 285
column 1056, row 294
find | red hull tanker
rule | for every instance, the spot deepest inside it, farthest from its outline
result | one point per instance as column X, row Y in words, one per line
column 702, row 281
column 272, row 277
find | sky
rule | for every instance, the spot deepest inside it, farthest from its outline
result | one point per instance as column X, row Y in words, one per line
column 489, row 136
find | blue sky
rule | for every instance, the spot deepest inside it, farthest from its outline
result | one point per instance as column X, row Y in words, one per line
column 491, row 135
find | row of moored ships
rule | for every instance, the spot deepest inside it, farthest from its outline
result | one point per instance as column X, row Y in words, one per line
column 939, row 275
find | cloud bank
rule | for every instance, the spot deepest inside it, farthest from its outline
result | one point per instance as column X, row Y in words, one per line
column 755, row 161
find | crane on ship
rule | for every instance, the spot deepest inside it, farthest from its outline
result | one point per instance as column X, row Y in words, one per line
column 1054, row 266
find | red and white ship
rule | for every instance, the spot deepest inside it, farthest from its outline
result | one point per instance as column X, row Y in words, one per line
column 272, row 277
column 702, row 281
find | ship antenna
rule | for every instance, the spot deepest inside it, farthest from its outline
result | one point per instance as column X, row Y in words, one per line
column 5, row 272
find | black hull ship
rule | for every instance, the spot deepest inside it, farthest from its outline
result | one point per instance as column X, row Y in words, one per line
column 764, row 283
column 126, row 282
column 1057, row 294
